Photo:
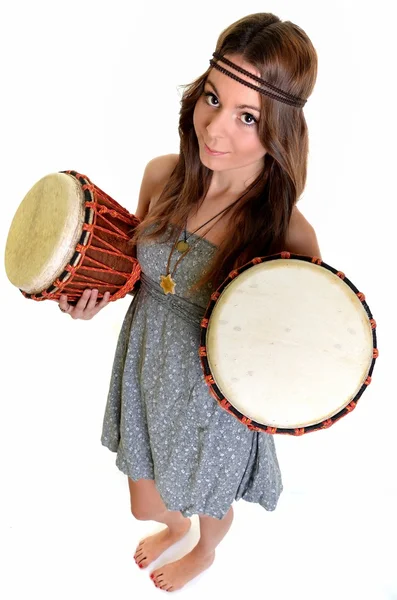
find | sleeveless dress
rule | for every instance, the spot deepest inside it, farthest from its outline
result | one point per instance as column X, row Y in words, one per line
column 160, row 416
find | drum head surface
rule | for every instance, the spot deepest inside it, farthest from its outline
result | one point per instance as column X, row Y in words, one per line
column 44, row 232
column 289, row 343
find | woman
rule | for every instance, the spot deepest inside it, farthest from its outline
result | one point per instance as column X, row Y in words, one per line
column 228, row 196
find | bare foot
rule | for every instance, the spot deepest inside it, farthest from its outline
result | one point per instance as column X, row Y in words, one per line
column 175, row 575
column 151, row 547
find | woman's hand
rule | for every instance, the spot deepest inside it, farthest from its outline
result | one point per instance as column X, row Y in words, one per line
column 86, row 306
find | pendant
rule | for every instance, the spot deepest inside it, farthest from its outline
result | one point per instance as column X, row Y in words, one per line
column 168, row 284
column 182, row 246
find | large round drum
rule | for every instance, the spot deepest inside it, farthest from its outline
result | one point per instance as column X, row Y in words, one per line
column 288, row 344
column 68, row 235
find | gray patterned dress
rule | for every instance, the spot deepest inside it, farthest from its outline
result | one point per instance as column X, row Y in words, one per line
column 160, row 417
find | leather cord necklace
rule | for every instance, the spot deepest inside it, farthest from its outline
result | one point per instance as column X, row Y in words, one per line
column 182, row 245
column 166, row 281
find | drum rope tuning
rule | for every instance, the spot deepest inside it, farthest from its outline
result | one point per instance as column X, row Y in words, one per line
column 92, row 227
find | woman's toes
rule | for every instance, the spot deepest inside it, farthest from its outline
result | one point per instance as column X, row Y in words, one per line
column 140, row 560
column 157, row 579
column 167, row 587
column 142, row 563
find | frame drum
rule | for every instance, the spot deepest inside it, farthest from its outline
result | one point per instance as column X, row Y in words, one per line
column 288, row 344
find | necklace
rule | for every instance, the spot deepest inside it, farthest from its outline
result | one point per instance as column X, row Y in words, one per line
column 166, row 281
column 182, row 246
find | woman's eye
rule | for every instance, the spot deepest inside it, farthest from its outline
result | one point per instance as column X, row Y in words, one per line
column 252, row 122
column 207, row 94
column 251, row 117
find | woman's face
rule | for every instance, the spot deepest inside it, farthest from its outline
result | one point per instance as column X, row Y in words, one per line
column 224, row 126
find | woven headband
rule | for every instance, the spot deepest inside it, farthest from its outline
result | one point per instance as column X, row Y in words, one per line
column 281, row 95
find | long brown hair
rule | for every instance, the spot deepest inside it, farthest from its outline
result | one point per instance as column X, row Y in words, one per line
column 286, row 58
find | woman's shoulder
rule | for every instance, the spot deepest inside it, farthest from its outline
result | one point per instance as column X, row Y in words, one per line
column 301, row 236
column 159, row 170
column 161, row 165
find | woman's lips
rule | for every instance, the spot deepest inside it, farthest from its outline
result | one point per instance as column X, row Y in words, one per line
column 213, row 152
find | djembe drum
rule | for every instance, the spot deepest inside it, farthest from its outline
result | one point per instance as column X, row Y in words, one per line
column 288, row 344
column 68, row 235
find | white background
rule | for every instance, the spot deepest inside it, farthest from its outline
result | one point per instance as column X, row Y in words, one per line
column 93, row 86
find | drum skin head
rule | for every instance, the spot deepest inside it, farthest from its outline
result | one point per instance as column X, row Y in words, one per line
column 44, row 232
column 288, row 343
